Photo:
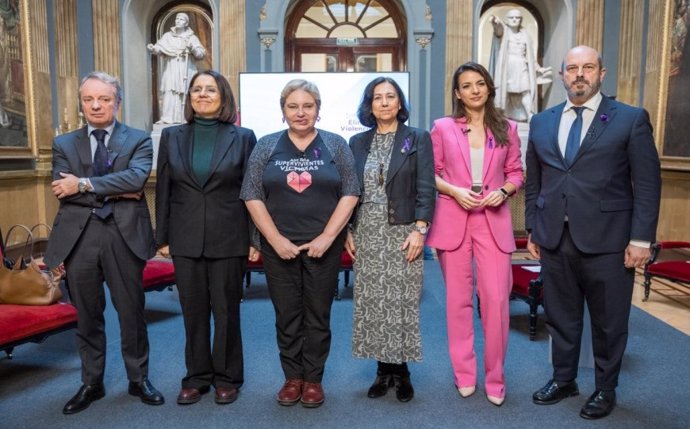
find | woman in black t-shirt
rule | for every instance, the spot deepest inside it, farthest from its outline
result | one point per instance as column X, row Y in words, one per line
column 300, row 190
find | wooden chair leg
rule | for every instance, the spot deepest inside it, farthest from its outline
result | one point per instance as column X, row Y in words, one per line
column 647, row 286
column 535, row 289
column 533, row 306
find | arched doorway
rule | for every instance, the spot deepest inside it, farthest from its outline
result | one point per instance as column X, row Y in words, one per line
column 345, row 35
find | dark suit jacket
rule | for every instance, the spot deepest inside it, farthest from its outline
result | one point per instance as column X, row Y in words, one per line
column 611, row 193
column 131, row 153
column 203, row 219
column 410, row 183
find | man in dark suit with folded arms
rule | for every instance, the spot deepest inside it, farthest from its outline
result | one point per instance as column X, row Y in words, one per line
column 102, row 231
column 592, row 205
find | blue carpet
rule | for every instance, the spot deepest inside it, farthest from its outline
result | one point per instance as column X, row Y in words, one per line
column 654, row 390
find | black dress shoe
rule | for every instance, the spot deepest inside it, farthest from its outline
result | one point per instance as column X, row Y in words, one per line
column 145, row 390
column 380, row 386
column 85, row 396
column 555, row 391
column 599, row 405
column 403, row 388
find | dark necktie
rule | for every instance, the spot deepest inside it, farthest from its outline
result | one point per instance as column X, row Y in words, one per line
column 100, row 168
column 100, row 158
column 573, row 143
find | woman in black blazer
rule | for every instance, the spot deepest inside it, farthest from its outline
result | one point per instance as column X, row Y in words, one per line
column 395, row 166
column 202, row 223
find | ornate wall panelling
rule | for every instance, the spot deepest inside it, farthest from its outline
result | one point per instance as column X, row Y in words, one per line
column 26, row 35
column 674, row 88
column 232, row 20
column 655, row 54
column 106, row 38
column 630, row 51
column 66, row 56
column 459, row 41
column 590, row 24
column 25, row 70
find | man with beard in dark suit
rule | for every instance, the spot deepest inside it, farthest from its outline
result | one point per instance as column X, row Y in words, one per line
column 592, row 205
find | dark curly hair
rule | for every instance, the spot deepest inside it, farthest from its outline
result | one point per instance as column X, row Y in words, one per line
column 494, row 118
column 364, row 113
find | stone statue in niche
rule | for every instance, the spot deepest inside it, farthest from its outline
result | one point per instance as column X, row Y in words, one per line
column 515, row 68
column 178, row 49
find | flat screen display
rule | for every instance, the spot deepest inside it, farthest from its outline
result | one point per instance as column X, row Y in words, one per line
column 341, row 93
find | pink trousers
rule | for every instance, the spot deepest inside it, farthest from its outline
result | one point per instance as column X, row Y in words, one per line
column 494, row 282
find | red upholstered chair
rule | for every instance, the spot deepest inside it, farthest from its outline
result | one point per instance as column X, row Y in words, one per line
column 20, row 324
column 676, row 271
column 528, row 287
column 159, row 274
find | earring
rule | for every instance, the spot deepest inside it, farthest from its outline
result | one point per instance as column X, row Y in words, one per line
column 318, row 118
column 283, row 119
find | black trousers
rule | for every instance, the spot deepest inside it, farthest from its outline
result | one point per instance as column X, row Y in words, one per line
column 211, row 287
column 302, row 291
column 102, row 254
column 571, row 277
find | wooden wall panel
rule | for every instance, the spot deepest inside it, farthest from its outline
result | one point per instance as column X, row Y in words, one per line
column 232, row 39
column 674, row 222
column 66, row 56
column 630, row 51
column 652, row 76
column 106, row 36
column 590, row 24
column 459, row 41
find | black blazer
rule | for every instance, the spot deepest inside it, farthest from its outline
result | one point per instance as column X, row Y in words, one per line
column 131, row 153
column 612, row 190
column 203, row 219
column 410, row 183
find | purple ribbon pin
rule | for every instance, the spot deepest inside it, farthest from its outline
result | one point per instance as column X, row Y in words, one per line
column 406, row 145
column 604, row 117
column 491, row 142
column 317, row 152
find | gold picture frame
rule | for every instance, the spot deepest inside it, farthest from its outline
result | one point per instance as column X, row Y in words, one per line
column 673, row 113
column 17, row 90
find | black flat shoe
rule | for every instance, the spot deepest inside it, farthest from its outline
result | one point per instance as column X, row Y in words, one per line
column 84, row 397
column 599, row 405
column 380, row 386
column 403, row 388
column 554, row 392
column 145, row 390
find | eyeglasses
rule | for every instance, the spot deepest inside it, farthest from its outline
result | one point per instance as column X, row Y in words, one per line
column 196, row 91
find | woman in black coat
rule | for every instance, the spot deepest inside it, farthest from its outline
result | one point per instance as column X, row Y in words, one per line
column 202, row 223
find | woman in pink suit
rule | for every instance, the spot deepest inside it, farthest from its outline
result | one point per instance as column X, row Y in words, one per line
column 477, row 164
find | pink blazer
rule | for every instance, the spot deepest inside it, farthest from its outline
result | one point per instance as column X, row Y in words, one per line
column 452, row 162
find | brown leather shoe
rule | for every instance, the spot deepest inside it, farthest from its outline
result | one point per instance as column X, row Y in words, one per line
column 226, row 395
column 291, row 392
column 190, row 395
column 312, row 395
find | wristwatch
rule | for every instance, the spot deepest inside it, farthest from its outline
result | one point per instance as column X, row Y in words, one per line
column 83, row 183
column 421, row 229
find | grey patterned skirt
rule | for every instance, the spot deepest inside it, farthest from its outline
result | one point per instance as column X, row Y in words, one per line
column 387, row 291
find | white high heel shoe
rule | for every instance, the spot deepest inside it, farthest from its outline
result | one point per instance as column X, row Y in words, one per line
column 466, row 392
column 495, row 400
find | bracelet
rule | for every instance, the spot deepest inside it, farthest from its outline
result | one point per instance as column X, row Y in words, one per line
column 504, row 192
